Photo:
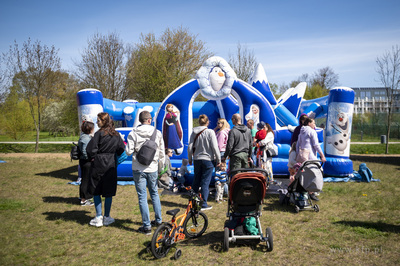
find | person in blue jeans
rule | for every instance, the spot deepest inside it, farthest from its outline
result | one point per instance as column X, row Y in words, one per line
column 146, row 176
column 203, row 150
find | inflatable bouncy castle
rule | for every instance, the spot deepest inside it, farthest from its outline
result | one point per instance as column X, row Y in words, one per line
column 227, row 95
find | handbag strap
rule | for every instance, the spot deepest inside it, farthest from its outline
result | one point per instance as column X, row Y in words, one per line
column 153, row 136
column 194, row 141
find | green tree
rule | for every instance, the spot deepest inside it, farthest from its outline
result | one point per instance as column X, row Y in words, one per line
column 158, row 66
column 315, row 91
column 15, row 119
column 103, row 65
column 243, row 62
column 389, row 74
column 34, row 67
column 56, row 121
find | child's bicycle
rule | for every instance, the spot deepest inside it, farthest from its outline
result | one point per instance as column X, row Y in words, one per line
column 193, row 223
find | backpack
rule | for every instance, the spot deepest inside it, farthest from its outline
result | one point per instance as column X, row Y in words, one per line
column 75, row 152
column 146, row 153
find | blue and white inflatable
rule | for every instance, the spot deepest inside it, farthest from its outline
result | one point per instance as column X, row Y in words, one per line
column 227, row 95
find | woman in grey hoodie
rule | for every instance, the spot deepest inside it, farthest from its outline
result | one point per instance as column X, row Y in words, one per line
column 202, row 151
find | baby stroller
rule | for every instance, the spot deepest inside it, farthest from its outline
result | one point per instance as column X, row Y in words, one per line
column 246, row 194
column 309, row 178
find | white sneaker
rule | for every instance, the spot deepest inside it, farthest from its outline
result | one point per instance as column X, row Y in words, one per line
column 97, row 221
column 87, row 203
column 108, row 220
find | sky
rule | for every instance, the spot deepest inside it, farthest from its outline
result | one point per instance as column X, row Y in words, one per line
column 289, row 38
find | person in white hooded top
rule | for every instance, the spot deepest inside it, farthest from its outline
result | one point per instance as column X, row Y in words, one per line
column 308, row 140
column 203, row 150
column 146, row 175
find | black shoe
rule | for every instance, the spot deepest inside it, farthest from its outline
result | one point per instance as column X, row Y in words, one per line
column 314, row 197
column 155, row 224
column 144, row 230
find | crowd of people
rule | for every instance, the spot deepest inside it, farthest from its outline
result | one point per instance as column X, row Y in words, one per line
column 208, row 151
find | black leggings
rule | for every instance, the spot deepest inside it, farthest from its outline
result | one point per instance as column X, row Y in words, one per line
column 85, row 175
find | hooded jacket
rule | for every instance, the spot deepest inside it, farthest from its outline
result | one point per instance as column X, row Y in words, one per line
column 206, row 146
column 239, row 140
column 135, row 140
column 222, row 138
column 308, row 139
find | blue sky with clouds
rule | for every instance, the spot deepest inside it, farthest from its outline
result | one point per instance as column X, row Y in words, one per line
column 289, row 38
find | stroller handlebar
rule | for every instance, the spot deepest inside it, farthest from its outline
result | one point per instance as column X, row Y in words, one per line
column 240, row 170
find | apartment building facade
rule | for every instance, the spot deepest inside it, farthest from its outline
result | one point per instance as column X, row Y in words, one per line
column 374, row 100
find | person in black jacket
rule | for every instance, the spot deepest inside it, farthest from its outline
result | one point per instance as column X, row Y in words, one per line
column 102, row 150
column 87, row 129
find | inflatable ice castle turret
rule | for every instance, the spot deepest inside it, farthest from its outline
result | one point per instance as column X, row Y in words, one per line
column 227, row 95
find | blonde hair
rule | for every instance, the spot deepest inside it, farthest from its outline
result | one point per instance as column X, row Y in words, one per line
column 225, row 125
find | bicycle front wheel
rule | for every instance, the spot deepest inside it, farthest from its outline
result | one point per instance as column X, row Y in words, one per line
column 195, row 224
column 159, row 243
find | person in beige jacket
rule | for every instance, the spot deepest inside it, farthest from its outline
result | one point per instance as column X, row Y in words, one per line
column 146, row 175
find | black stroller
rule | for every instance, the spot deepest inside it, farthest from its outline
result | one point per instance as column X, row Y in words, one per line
column 246, row 194
column 309, row 178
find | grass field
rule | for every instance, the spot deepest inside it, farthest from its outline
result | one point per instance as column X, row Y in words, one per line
column 43, row 224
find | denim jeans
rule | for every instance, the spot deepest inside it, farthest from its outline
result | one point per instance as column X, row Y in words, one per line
column 150, row 180
column 203, row 170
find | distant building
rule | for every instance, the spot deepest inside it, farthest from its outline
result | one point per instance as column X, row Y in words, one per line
column 373, row 100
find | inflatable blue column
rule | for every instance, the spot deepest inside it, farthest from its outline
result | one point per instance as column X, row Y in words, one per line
column 90, row 103
column 338, row 131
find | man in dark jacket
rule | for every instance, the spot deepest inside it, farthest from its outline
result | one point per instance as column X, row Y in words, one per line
column 239, row 145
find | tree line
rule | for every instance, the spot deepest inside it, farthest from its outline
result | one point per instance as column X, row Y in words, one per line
column 36, row 93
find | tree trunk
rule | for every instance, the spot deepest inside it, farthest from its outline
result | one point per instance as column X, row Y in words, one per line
column 37, row 140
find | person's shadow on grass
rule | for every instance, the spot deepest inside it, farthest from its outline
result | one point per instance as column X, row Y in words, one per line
column 55, row 199
column 80, row 217
column 379, row 226
column 65, row 173
column 83, row 217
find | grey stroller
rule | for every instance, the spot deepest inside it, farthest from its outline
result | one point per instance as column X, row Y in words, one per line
column 309, row 178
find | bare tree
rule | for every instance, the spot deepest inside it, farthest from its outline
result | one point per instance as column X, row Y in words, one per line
column 389, row 74
column 34, row 69
column 325, row 77
column 103, row 65
column 318, row 84
column 158, row 66
column 243, row 62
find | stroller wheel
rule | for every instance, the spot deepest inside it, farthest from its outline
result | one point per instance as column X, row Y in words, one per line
column 297, row 209
column 226, row 239
column 270, row 239
column 316, row 208
column 178, row 254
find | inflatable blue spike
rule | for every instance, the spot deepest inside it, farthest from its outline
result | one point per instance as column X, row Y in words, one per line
column 260, row 82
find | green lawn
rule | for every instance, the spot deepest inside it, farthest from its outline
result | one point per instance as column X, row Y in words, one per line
column 43, row 224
